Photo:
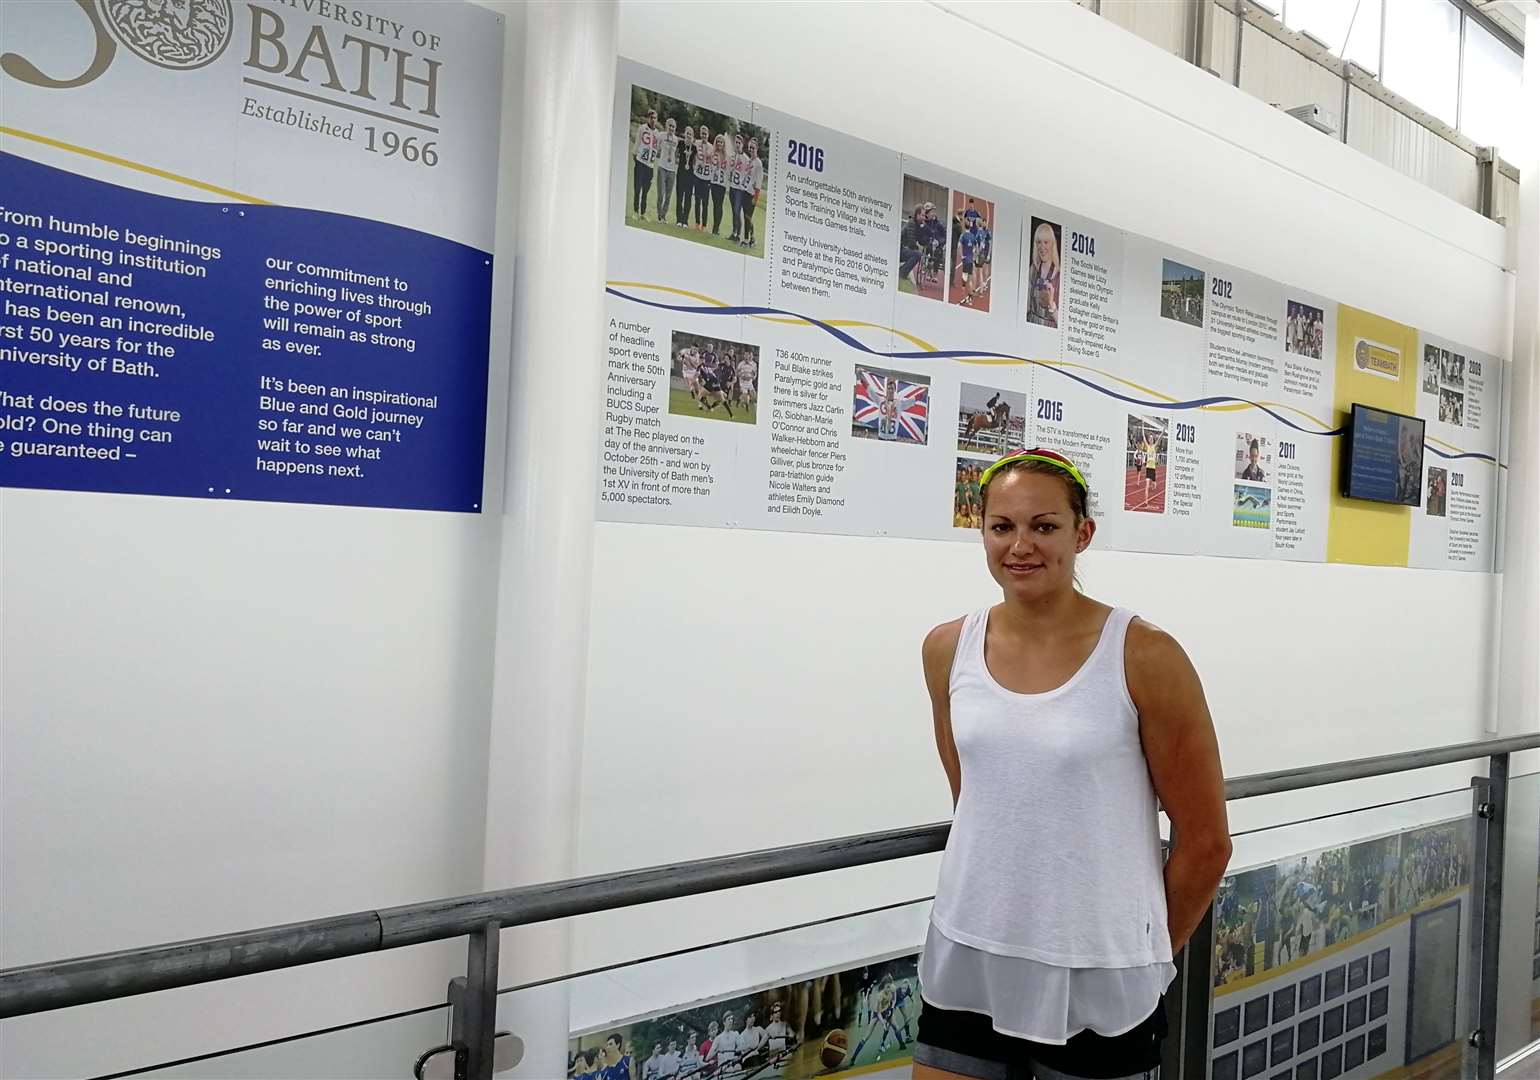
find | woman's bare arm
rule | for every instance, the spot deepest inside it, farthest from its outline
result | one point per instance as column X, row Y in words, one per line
column 1183, row 756
column 937, row 653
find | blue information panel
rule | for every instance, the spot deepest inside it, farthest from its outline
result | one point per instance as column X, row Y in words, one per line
column 1385, row 457
column 161, row 346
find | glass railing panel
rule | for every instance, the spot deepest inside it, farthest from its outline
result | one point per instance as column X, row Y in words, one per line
column 383, row 1048
column 1518, row 1008
column 1341, row 946
column 836, row 996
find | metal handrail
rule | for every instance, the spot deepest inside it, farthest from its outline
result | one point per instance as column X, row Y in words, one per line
column 60, row 984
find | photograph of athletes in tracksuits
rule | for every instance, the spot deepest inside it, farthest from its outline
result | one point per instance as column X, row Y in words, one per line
column 696, row 174
column 972, row 251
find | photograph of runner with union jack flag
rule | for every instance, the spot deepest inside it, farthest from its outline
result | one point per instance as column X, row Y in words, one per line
column 893, row 406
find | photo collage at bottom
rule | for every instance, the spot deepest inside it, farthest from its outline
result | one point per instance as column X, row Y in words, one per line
column 822, row 1026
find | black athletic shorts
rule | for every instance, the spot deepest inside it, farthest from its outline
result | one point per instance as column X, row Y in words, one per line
column 966, row 1043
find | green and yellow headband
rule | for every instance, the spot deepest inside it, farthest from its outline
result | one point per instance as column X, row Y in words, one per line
column 1037, row 453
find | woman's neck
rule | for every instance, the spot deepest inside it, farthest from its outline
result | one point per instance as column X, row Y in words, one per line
column 1041, row 616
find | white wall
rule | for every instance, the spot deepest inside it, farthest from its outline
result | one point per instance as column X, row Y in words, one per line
column 217, row 716
column 788, row 705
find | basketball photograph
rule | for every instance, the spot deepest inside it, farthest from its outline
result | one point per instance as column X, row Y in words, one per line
column 892, row 406
column 1305, row 330
column 922, row 240
column 1181, row 293
column 1373, row 892
column 712, row 379
column 1144, row 482
column 1253, row 507
column 696, row 174
column 967, row 508
column 1438, row 492
column 971, row 251
column 1435, row 860
column 990, row 421
column 1253, row 458
column 1432, row 357
column 1451, row 407
column 1243, row 921
column 1307, row 888
column 1043, row 273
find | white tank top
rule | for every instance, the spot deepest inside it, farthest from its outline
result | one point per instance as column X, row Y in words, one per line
column 1054, row 853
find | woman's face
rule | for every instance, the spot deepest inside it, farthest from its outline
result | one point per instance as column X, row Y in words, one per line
column 1044, row 245
column 1031, row 537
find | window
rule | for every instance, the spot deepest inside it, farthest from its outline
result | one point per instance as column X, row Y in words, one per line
column 1350, row 28
column 1489, row 100
column 1422, row 54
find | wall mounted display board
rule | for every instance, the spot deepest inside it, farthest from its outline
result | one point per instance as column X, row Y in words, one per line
column 811, row 333
column 245, row 248
column 1345, row 961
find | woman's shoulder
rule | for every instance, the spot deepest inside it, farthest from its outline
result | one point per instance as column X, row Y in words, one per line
column 1153, row 658
column 941, row 641
column 1144, row 637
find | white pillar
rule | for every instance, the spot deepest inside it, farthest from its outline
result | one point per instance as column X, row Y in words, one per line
column 1518, row 696
column 1518, row 687
column 556, row 389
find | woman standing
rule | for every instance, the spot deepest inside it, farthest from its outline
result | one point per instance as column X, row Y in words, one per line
column 686, row 186
column 720, row 163
column 1060, row 721
column 751, row 197
column 703, row 163
column 737, row 180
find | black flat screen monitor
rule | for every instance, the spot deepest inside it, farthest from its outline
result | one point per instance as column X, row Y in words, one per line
column 1382, row 457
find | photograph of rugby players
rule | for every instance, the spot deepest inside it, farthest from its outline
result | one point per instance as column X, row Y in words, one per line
column 971, row 250
column 696, row 174
column 1144, row 482
column 713, row 379
column 922, row 240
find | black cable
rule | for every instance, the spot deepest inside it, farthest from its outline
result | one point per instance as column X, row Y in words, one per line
column 269, row 1042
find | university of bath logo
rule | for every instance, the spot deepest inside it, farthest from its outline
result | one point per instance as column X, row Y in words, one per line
column 176, row 34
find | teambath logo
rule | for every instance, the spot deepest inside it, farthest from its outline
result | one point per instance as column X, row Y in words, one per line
column 176, row 34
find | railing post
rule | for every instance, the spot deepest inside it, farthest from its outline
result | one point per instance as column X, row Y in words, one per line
column 1197, row 1002
column 476, row 1011
column 1489, row 803
column 1175, row 1004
